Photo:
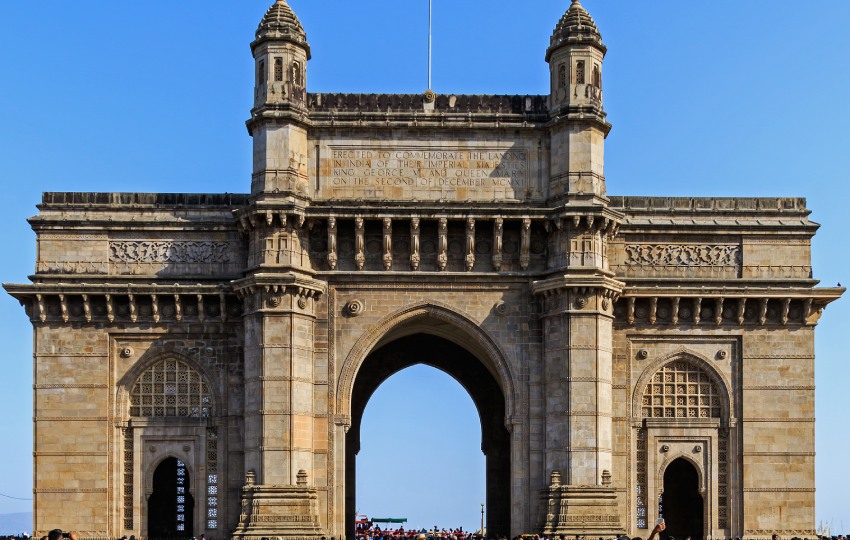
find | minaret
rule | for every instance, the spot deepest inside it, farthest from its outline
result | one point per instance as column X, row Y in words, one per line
column 575, row 57
column 578, row 295
column 277, row 120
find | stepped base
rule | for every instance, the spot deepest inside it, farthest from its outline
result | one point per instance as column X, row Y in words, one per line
column 285, row 512
column 580, row 510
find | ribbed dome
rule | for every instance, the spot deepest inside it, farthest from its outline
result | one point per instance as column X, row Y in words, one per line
column 280, row 23
column 576, row 26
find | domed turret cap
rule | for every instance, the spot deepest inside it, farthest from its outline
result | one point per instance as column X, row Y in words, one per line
column 575, row 27
column 280, row 23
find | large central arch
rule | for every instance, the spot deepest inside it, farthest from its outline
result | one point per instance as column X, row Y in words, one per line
column 439, row 337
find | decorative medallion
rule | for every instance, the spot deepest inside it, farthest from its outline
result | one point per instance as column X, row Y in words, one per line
column 354, row 308
column 302, row 302
column 501, row 308
column 275, row 301
column 127, row 352
column 642, row 354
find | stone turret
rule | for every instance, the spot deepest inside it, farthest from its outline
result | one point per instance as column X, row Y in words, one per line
column 281, row 52
column 575, row 57
column 279, row 115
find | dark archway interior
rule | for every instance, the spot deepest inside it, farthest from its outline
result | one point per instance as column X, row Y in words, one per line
column 485, row 393
column 165, row 503
column 683, row 505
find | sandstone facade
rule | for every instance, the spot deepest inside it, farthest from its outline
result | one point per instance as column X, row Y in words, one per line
column 614, row 345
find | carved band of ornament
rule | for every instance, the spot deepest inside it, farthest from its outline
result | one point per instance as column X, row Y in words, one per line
column 780, row 420
column 778, row 388
column 69, row 490
column 169, row 252
column 75, row 454
column 66, row 386
column 779, row 490
column 769, row 454
column 71, row 418
column 682, row 255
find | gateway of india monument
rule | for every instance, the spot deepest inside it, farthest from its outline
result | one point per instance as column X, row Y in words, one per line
column 203, row 361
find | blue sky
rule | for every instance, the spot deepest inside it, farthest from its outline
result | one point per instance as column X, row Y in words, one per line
column 720, row 98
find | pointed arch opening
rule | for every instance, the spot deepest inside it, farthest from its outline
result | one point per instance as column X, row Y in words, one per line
column 171, row 505
column 443, row 354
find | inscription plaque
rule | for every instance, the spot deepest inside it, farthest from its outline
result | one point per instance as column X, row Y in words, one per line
column 425, row 173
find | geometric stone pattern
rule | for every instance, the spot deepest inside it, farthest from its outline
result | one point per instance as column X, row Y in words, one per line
column 228, row 332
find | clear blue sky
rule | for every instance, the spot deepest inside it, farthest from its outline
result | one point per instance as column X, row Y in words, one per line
column 719, row 98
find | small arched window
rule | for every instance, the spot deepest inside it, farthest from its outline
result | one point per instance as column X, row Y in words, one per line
column 580, row 72
column 597, row 77
column 278, row 69
column 170, row 388
column 562, row 76
column 296, row 73
column 681, row 389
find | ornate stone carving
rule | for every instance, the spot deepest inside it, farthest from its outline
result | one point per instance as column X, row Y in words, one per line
column 388, row 244
column 169, row 252
column 415, row 257
column 682, row 255
column 332, row 256
column 501, row 308
column 443, row 244
column 359, row 243
column 525, row 245
column 354, row 308
column 498, row 229
column 470, row 244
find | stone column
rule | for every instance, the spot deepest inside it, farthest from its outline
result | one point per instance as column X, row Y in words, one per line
column 281, row 430
column 577, row 356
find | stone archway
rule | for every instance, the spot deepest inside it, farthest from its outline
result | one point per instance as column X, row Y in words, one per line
column 684, row 507
column 483, row 388
column 171, row 505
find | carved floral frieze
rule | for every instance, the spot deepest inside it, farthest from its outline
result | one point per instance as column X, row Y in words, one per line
column 691, row 255
column 169, row 252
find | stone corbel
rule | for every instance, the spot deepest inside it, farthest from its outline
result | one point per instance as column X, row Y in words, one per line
column 63, row 303
column 742, row 310
column 786, row 305
column 674, row 310
column 630, row 316
column 332, row 255
column 697, row 310
column 222, row 302
column 762, row 310
column 525, row 244
column 201, row 310
column 415, row 257
column 155, row 308
column 87, row 308
column 388, row 244
column 110, row 309
column 359, row 242
column 653, row 310
column 178, row 308
column 42, row 311
column 133, row 313
column 718, row 315
column 442, row 244
column 498, row 229
column 470, row 244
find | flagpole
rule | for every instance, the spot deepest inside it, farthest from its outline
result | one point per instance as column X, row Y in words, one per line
column 430, row 19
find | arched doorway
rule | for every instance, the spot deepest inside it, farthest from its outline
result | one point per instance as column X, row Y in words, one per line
column 683, row 504
column 171, row 507
column 485, row 392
